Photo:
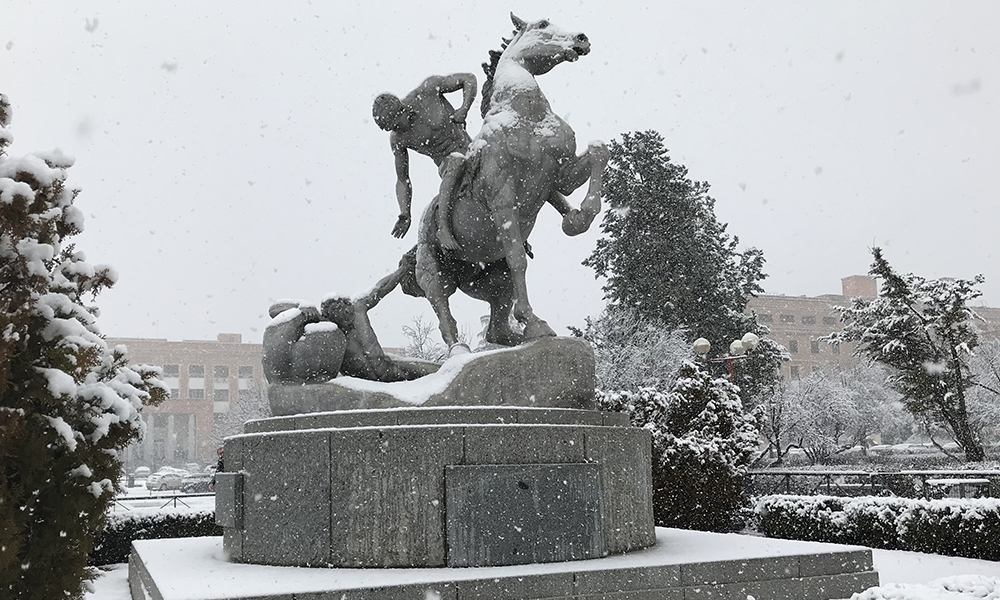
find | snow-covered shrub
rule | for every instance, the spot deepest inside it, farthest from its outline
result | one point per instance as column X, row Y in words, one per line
column 115, row 542
column 68, row 403
column 703, row 443
column 968, row 527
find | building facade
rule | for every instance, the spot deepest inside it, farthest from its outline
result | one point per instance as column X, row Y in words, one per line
column 799, row 323
column 206, row 380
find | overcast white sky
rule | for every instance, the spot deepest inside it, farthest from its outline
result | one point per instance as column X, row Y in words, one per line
column 227, row 155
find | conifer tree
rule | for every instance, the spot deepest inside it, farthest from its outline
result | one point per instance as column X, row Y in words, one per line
column 923, row 331
column 666, row 256
column 703, row 444
column 68, row 403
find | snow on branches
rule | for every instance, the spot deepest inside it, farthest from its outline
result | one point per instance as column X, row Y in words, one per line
column 703, row 443
column 923, row 330
column 68, row 402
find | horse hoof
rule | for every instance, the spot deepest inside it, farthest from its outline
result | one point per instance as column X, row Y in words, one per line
column 506, row 338
column 538, row 329
column 458, row 349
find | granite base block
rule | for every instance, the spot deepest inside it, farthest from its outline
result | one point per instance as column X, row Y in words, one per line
column 367, row 488
column 521, row 514
column 729, row 567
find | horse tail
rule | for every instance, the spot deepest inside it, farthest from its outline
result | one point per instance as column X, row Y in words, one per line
column 490, row 68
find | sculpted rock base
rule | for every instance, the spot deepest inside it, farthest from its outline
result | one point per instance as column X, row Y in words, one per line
column 549, row 372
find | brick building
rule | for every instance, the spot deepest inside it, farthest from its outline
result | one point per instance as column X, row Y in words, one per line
column 798, row 323
column 205, row 378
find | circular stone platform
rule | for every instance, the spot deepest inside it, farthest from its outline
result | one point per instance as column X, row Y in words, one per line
column 433, row 487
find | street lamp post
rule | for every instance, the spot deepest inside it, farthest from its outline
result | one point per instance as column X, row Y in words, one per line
column 737, row 351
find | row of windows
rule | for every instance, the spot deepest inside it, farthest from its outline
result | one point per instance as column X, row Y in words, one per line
column 218, row 395
column 793, row 347
column 788, row 319
column 198, row 371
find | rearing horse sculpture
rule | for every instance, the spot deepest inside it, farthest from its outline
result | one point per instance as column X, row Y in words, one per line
column 523, row 158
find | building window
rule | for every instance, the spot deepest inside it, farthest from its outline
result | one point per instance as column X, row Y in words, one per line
column 196, row 382
column 172, row 378
column 810, row 320
column 814, row 346
column 787, row 318
column 765, row 318
column 829, row 320
column 793, row 346
column 220, row 383
column 795, row 372
column 246, row 372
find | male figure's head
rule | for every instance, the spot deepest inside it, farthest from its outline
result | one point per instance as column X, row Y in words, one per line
column 389, row 113
column 340, row 310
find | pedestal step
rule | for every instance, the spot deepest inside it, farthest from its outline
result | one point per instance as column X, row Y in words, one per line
column 682, row 565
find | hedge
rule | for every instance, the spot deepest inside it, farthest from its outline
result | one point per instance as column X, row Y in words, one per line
column 115, row 542
column 968, row 527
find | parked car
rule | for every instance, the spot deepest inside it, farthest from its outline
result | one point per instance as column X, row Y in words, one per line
column 167, row 478
column 196, row 483
column 141, row 472
column 192, row 467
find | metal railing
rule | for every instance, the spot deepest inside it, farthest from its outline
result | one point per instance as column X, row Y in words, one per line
column 834, row 482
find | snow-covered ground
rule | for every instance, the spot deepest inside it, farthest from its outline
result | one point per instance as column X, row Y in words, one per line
column 904, row 576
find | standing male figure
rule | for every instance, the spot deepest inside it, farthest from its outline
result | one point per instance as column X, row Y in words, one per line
column 425, row 122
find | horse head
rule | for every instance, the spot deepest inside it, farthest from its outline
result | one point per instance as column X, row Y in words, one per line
column 540, row 46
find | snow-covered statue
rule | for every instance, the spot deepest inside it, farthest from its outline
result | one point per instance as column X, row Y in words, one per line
column 523, row 158
column 473, row 236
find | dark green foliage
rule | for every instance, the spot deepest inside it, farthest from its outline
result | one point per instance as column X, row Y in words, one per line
column 703, row 443
column 667, row 257
column 68, row 403
column 922, row 330
column 951, row 527
column 115, row 542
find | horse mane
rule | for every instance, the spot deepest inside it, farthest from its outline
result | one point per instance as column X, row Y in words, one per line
column 490, row 68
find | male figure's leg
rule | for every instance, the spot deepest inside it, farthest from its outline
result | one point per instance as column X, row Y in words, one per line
column 452, row 169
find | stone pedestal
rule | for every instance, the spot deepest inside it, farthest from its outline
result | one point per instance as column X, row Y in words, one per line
column 436, row 487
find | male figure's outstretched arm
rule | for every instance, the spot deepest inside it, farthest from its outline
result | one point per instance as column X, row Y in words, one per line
column 404, row 189
column 388, row 283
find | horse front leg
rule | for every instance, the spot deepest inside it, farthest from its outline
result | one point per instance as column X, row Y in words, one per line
column 591, row 164
column 509, row 232
column 574, row 172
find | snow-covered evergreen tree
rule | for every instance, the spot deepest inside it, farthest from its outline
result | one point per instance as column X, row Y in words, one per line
column 68, row 403
column 666, row 256
column 703, row 443
column 923, row 331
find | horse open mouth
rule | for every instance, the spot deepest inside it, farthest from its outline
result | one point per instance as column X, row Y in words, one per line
column 574, row 53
